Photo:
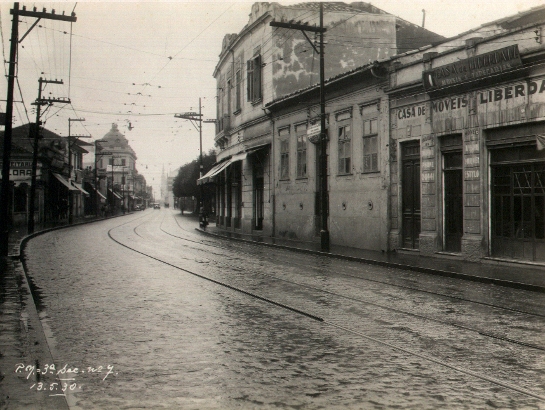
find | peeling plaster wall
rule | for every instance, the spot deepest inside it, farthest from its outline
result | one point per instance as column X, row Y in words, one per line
column 351, row 41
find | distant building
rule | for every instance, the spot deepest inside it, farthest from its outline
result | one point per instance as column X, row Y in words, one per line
column 55, row 179
column 118, row 169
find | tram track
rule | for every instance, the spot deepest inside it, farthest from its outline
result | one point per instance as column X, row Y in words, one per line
column 393, row 309
column 332, row 324
column 359, row 277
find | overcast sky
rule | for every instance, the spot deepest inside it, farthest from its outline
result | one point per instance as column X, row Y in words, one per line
column 143, row 62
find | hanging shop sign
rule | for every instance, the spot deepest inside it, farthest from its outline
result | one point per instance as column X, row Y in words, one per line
column 473, row 68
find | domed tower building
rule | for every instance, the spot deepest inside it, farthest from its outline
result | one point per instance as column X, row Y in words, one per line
column 118, row 162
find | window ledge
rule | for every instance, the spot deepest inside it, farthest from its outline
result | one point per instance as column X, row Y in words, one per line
column 256, row 102
column 237, row 112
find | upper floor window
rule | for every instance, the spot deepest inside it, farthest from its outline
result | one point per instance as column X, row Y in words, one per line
column 345, row 152
column 370, row 145
column 238, row 93
column 301, row 134
column 284, row 134
column 253, row 75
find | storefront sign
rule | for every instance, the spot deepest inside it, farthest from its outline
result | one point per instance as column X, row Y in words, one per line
column 411, row 112
column 512, row 91
column 20, row 170
column 449, row 104
column 473, row 68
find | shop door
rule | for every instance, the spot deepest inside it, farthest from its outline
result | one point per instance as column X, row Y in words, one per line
column 410, row 185
column 453, row 201
column 259, row 188
column 518, row 211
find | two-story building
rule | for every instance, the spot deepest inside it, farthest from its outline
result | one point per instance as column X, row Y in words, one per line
column 262, row 64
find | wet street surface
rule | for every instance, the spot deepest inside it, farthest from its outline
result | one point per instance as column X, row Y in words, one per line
column 145, row 312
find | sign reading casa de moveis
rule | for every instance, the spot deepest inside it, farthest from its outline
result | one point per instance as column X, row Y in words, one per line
column 483, row 65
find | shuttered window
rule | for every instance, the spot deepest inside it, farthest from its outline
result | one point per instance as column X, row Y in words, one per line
column 370, row 145
column 253, row 73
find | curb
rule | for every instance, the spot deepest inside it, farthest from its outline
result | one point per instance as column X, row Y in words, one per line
column 421, row 269
column 22, row 242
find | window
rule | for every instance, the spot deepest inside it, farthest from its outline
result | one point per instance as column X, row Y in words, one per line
column 284, row 159
column 344, row 133
column 301, row 133
column 123, row 162
column 238, row 85
column 284, row 134
column 370, row 145
column 253, row 70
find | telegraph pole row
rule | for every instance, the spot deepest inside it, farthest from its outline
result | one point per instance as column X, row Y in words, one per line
column 5, row 192
column 324, row 201
column 35, row 133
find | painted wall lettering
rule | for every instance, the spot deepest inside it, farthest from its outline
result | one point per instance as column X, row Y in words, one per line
column 472, row 174
column 512, row 91
column 472, row 161
column 449, row 104
column 411, row 112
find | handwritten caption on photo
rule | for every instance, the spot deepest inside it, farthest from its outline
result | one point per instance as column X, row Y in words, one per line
column 65, row 377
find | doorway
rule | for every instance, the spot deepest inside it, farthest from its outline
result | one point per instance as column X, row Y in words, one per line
column 410, row 186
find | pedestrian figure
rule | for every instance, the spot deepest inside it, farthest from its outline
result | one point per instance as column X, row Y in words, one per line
column 203, row 218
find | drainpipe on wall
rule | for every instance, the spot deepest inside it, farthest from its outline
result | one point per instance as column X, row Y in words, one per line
column 271, row 170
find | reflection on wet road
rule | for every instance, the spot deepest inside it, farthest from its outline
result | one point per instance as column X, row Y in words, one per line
column 178, row 341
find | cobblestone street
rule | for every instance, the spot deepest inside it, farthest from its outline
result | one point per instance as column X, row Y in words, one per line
column 155, row 315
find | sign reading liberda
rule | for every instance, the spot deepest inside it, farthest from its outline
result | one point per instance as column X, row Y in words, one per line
column 494, row 62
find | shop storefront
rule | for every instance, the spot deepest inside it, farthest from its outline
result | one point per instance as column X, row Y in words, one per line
column 467, row 149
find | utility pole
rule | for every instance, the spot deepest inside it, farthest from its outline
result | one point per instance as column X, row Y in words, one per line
column 324, row 200
column 70, row 196
column 5, row 193
column 196, row 118
column 35, row 132
column 123, row 189
column 97, row 154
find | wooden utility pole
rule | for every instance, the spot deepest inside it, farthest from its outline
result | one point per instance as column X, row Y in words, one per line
column 5, row 193
column 324, row 200
column 70, row 196
column 35, row 132
column 196, row 118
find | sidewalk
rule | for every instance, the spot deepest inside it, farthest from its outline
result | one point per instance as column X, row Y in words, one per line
column 512, row 274
column 22, row 338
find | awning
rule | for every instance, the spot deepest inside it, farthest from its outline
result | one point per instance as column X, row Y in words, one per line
column 216, row 169
column 253, row 150
column 63, row 181
column 114, row 194
column 80, row 187
column 100, row 194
